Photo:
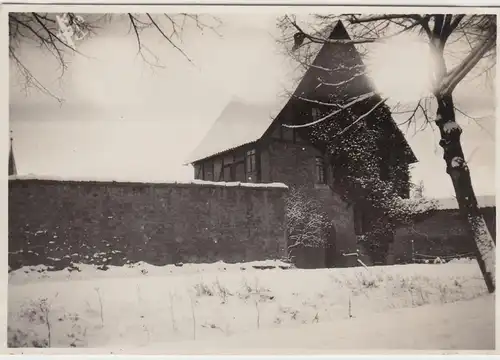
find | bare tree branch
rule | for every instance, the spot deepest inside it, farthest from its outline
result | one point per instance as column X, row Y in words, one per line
column 332, row 114
column 373, row 18
column 46, row 31
column 456, row 75
column 167, row 38
column 319, row 40
column 362, row 117
column 32, row 80
column 476, row 121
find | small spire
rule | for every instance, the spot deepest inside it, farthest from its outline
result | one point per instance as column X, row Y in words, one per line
column 12, row 160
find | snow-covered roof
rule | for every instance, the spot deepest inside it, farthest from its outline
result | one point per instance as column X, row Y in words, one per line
column 240, row 123
column 451, row 203
column 128, row 181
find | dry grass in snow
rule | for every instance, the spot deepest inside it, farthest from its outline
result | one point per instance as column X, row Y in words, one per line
column 143, row 305
column 462, row 325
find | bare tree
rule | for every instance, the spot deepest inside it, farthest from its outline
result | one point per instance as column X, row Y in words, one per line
column 418, row 190
column 59, row 35
column 441, row 32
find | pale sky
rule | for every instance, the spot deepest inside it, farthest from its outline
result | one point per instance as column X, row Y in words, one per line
column 123, row 120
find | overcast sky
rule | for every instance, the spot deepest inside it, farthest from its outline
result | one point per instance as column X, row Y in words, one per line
column 124, row 120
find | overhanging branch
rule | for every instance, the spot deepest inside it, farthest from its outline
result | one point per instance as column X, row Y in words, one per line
column 372, row 18
column 362, row 117
column 453, row 77
column 319, row 40
column 333, row 113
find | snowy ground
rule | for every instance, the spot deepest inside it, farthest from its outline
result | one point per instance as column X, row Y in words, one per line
column 183, row 309
column 463, row 325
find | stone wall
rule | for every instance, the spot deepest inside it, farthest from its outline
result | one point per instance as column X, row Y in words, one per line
column 59, row 222
column 439, row 234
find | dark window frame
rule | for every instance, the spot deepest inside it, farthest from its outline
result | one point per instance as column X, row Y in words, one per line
column 319, row 170
column 250, row 159
column 198, row 171
column 360, row 220
column 207, row 166
column 231, row 172
column 315, row 113
column 294, row 139
column 221, row 170
column 227, row 165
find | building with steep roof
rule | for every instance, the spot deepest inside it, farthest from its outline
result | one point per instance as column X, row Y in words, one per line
column 248, row 143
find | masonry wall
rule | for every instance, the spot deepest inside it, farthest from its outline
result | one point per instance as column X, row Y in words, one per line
column 56, row 223
column 293, row 164
column 440, row 234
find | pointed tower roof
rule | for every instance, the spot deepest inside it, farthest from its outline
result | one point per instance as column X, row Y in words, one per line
column 12, row 161
column 338, row 65
column 338, row 75
column 339, row 32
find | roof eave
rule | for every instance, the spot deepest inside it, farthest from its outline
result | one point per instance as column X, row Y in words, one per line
column 191, row 162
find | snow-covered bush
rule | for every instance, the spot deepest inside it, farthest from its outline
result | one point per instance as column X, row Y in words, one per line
column 306, row 220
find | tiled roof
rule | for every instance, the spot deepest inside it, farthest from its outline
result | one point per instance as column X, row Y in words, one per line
column 240, row 123
column 451, row 203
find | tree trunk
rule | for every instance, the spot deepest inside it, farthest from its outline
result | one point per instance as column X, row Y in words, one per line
column 458, row 170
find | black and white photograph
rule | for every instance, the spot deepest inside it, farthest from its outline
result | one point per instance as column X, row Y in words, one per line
column 251, row 179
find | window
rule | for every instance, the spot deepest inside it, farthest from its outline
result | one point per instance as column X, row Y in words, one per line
column 360, row 220
column 198, row 171
column 320, row 170
column 228, row 173
column 227, row 168
column 250, row 161
column 315, row 114
column 217, row 170
column 208, row 171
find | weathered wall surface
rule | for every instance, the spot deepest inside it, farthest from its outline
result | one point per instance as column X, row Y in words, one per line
column 56, row 223
column 293, row 164
column 440, row 234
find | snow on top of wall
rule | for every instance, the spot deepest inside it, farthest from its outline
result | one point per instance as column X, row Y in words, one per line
column 452, row 204
column 142, row 181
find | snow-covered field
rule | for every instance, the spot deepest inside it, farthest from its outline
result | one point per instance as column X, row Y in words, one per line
column 174, row 308
column 461, row 325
